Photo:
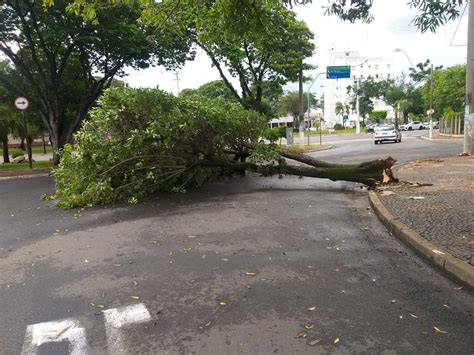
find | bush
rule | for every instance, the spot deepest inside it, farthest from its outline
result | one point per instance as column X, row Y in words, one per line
column 338, row 127
column 274, row 134
column 139, row 141
column 378, row 115
column 17, row 153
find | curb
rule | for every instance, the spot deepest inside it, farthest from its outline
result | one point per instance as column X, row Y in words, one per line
column 458, row 269
column 21, row 174
column 427, row 138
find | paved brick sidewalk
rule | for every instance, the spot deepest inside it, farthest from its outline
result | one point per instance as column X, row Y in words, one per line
column 442, row 213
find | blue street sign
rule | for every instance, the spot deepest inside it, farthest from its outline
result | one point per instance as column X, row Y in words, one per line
column 338, row 72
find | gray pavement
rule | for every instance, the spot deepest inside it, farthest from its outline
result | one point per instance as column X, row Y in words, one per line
column 236, row 267
column 442, row 213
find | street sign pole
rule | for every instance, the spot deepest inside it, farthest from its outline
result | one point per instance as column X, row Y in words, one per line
column 22, row 103
column 28, row 143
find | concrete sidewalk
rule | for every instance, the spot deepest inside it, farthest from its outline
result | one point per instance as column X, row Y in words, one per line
column 442, row 211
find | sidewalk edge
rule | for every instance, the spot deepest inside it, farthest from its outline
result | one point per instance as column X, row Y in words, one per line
column 458, row 269
column 21, row 174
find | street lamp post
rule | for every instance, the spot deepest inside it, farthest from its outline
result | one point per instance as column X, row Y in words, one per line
column 309, row 104
column 406, row 55
column 357, row 100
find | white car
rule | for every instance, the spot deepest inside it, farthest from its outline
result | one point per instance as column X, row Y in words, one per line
column 412, row 126
column 387, row 133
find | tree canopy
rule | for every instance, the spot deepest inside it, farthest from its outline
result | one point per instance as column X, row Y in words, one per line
column 65, row 62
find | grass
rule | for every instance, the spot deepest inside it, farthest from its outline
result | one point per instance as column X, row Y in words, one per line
column 24, row 165
column 307, row 148
column 326, row 132
column 39, row 150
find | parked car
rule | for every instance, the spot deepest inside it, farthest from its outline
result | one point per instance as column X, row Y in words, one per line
column 387, row 133
column 412, row 126
column 435, row 125
column 371, row 127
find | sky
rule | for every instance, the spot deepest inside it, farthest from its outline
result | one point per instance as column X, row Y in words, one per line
column 390, row 30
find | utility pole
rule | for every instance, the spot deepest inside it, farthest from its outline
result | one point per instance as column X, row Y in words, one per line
column 431, row 103
column 301, row 108
column 176, row 73
column 469, row 109
column 357, row 107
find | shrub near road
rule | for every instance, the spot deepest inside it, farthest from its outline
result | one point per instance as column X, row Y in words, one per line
column 141, row 141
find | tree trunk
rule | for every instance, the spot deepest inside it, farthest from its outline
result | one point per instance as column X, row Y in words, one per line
column 22, row 143
column 44, row 143
column 368, row 173
column 6, row 156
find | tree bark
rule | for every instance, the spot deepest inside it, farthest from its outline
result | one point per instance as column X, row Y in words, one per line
column 368, row 173
column 6, row 156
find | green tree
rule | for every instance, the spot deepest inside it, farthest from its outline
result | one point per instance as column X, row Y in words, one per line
column 48, row 48
column 339, row 108
column 448, row 90
column 158, row 142
column 253, row 49
column 289, row 105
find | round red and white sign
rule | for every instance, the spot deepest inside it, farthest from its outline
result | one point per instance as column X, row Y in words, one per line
column 21, row 103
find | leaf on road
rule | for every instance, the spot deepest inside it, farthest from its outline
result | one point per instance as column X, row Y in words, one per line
column 437, row 252
column 437, row 330
column 458, row 288
column 135, row 283
column 135, row 297
column 187, row 249
column 302, row 334
column 387, row 193
column 170, row 253
column 117, row 264
column 224, row 259
column 416, row 198
column 86, row 261
column 311, row 309
column 412, row 315
column 222, row 303
column 336, row 340
column 192, row 236
column 401, row 317
column 203, row 257
column 309, row 325
column 153, row 242
column 313, row 342
column 251, row 274
column 445, row 305
column 63, row 331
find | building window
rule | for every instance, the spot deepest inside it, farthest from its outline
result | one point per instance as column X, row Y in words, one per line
column 388, row 76
column 361, row 76
column 376, row 67
column 388, row 66
column 376, row 76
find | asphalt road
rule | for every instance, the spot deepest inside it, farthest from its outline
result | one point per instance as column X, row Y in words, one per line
column 241, row 266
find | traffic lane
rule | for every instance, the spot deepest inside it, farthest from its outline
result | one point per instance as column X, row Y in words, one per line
column 411, row 148
column 310, row 243
column 329, row 138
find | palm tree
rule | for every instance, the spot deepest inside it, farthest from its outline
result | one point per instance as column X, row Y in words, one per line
column 339, row 109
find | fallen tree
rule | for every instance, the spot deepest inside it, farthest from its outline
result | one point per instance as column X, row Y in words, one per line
column 141, row 141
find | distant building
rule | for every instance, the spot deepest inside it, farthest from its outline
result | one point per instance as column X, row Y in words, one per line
column 335, row 90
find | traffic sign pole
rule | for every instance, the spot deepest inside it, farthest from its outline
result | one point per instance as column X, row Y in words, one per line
column 22, row 103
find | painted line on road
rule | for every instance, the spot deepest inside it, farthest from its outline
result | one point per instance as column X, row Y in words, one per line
column 52, row 332
column 116, row 318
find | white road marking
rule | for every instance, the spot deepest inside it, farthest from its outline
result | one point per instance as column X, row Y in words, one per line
column 116, row 318
column 51, row 332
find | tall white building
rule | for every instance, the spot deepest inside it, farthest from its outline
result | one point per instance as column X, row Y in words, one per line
column 335, row 90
